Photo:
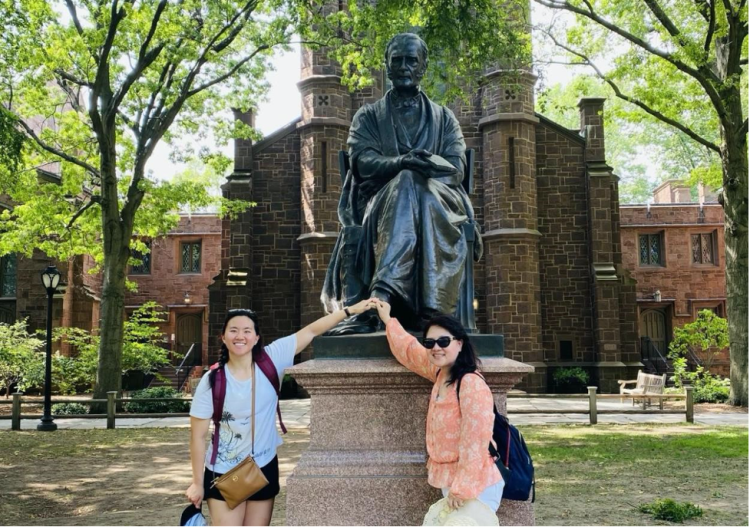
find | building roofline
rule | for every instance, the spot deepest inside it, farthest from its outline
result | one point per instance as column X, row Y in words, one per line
column 276, row 136
column 567, row 132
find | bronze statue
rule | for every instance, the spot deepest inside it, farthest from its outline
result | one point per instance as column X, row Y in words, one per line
column 406, row 216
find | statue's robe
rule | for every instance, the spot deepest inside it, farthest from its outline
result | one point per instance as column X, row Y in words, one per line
column 412, row 241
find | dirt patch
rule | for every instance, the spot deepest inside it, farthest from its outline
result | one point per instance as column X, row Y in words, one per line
column 107, row 477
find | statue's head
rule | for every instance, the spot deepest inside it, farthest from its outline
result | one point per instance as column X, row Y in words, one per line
column 406, row 60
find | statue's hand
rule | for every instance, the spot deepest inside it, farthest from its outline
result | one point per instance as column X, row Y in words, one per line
column 416, row 160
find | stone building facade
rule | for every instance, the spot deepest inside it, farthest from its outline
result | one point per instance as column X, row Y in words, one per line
column 674, row 248
column 551, row 280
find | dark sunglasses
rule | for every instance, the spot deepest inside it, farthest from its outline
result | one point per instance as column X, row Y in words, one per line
column 443, row 342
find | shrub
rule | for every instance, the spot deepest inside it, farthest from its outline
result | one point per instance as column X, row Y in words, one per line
column 711, row 389
column 669, row 510
column 570, row 378
column 69, row 409
column 160, row 407
column 21, row 359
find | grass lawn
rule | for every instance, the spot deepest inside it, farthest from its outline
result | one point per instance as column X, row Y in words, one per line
column 585, row 475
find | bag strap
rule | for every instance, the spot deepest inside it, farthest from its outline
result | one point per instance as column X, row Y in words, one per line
column 218, row 393
column 493, row 451
column 268, row 368
column 252, row 413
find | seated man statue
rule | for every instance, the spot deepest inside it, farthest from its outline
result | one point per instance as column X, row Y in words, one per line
column 403, row 207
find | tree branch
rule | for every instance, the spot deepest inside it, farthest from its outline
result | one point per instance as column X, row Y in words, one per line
column 704, row 75
column 702, row 6
column 132, row 124
column 93, row 201
column 225, row 76
column 640, row 104
column 145, row 58
column 591, row 15
column 743, row 128
column 56, row 151
column 711, row 27
column 662, row 17
column 71, row 78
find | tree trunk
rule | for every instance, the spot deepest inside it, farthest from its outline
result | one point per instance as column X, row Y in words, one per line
column 734, row 164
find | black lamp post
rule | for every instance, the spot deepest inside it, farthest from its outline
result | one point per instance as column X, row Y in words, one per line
column 50, row 279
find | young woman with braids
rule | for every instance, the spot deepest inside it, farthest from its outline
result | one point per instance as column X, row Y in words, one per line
column 458, row 428
column 241, row 341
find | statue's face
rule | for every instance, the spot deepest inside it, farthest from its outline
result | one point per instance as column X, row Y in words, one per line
column 405, row 65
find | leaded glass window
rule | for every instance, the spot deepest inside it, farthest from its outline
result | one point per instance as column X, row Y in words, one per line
column 145, row 266
column 8, row 275
column 650, row 248
column 703, row 248
column 190, row 257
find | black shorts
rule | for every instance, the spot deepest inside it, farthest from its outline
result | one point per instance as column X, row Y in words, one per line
column 270, row 471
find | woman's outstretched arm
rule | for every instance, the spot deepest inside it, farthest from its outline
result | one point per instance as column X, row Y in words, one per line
column 320, row 326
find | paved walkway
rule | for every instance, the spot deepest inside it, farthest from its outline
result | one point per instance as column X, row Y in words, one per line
column 297, row 415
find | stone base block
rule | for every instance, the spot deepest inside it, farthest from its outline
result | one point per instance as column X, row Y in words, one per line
column 366, row 464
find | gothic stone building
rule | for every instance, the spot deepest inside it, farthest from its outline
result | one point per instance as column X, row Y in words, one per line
column 551, row 279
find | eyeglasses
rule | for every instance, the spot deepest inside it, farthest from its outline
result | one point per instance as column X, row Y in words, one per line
column 443, row 342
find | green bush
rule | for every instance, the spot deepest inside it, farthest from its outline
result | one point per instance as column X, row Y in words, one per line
column 711, row 389
column 69, row 409
column 570, row 377
column 669, row 510
column 160, row 407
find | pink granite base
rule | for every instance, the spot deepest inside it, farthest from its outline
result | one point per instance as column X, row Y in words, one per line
column 366, row 464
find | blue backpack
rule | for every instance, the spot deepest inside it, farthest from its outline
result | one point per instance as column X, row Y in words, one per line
column 513, row 459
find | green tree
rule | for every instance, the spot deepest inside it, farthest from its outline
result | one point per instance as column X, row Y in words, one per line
column 94, row 87
column 21, row 362
column 141, row 350
column 685, row 64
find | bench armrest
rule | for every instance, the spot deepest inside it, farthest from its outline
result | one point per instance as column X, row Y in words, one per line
column 623, row 383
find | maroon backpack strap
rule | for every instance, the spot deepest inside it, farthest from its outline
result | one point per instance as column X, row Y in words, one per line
column 268, row 368
column 218, row 393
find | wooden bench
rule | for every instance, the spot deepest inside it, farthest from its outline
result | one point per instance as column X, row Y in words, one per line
column 645, row 384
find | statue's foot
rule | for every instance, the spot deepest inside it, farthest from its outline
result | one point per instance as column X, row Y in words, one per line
column 357, row 325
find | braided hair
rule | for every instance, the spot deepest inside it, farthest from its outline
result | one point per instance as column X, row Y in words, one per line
column 224, row 355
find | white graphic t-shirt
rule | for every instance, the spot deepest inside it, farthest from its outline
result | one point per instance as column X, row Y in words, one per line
column 235, row 443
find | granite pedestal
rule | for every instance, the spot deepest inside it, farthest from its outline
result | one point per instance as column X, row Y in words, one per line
column 366, row 464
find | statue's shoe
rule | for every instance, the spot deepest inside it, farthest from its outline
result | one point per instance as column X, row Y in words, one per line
column 357, row 325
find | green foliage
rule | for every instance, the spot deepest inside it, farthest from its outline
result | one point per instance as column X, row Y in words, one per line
column 670, row 510
column 706, row 335
column 162, row 407
column 69, row 409
column 702, row 339
column 142, row 350
column 463, row 39
column 21, row 362
column 570, row 377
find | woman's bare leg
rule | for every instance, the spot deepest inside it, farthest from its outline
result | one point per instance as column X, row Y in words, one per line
column 258, row 512
column 221, row 514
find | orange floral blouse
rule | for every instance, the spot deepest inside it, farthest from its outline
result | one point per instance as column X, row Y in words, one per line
column 457, row 435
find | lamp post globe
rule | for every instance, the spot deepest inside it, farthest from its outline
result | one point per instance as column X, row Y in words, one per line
column 50, row 281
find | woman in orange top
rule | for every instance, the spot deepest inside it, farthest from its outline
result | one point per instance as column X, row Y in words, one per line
column 458, row 432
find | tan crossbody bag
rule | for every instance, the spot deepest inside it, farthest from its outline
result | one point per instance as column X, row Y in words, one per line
column 245, row 479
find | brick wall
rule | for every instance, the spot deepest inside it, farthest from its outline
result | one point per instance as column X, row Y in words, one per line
column 685, row 287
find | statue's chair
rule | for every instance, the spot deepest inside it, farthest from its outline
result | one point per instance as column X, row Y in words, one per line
column 350, row 235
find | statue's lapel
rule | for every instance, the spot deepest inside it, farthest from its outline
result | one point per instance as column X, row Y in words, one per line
column 385, row 126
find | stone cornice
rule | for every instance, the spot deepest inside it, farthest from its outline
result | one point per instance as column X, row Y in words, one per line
column 324, row 121
column 664, row 225
column 504, row 117
column 508, row 233
column 317, row 236
column 319, row 79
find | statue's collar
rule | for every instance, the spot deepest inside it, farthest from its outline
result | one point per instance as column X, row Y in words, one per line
column 405, row 102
